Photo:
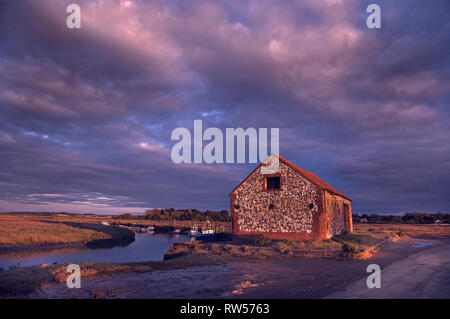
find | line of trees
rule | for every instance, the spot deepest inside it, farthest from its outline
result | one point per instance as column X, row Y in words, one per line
column 406, row 218
column 181, row 214
column 223, row 216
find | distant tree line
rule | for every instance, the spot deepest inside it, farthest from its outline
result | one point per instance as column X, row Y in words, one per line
column 180, row 214
column 406, row 218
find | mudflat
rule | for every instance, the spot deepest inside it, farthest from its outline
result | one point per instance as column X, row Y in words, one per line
column 425, row 260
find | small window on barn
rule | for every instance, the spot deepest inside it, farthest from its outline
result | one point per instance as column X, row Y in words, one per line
column 272, row 182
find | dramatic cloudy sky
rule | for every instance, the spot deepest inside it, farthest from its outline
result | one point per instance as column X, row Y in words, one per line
column 86, row 115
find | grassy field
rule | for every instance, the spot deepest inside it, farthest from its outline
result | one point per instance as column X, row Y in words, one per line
column 367, row 235
column 364, row 237
column 28, row 231
column 413, row 231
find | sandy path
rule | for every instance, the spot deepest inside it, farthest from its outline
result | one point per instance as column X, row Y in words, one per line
column 425, row 274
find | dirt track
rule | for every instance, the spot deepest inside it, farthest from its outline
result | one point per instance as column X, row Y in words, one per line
column 411, row 268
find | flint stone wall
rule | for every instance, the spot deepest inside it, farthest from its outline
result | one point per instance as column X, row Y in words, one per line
column 290, row 209
column 335, row 212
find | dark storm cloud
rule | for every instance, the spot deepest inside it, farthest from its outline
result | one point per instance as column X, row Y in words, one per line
column 86, row 115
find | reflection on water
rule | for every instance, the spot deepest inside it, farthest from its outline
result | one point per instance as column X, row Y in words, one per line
column 146, row 247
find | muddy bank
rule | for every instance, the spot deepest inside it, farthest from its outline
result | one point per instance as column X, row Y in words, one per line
column 18, row 282
column 277, row 249
column 118, row 235
column 245, row 251
column 10, row 249
column 254, row 278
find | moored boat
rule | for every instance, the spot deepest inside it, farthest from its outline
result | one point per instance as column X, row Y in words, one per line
column 193, row 231
column 206, row 233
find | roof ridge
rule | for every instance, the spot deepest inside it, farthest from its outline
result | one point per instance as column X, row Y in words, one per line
column 313, row 178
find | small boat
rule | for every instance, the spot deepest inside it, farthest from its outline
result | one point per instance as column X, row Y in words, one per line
column 150, row 228
column 175, row 231
column 205, row 234
column 193, row 231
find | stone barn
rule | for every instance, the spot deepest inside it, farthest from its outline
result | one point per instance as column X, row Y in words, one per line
column 283, row 201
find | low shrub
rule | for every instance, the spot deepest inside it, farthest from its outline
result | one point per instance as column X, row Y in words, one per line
column 357, row 239
column 288, row 242
column 262, row 240
column 350, row 249
column 215, row 248
column 230, row 248
column 246, row 250
column 283, row 248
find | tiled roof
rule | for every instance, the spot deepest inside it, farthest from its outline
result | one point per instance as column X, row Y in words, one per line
column 313, row 178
